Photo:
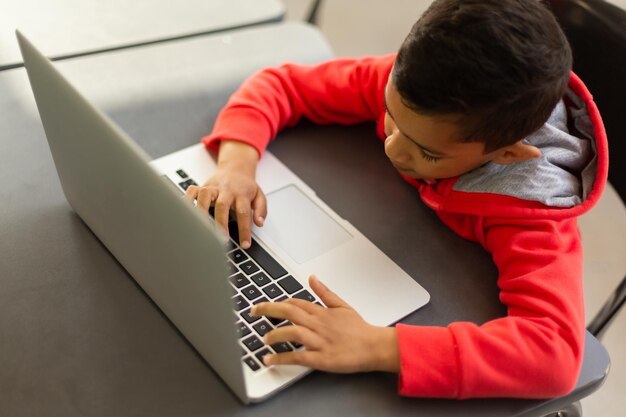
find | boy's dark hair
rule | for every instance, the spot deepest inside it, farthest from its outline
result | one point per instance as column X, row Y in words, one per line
column 499, row 66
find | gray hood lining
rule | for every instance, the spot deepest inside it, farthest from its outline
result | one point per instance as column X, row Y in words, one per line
column 561, row 177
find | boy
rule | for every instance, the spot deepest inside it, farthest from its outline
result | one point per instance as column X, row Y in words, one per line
column 479, row 111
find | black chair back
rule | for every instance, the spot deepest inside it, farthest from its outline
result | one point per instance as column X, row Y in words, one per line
column 596, row 31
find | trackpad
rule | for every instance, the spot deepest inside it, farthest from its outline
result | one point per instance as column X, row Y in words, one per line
column 299, row 226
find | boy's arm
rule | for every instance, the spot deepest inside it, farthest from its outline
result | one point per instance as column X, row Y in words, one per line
column 340, row 91
column 536, row 351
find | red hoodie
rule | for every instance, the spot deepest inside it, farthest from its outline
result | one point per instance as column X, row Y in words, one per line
column 529, row 226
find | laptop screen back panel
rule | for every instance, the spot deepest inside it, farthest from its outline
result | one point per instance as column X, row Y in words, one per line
column 167, row 246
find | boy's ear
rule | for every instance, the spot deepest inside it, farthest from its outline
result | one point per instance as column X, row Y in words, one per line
column 517, row 152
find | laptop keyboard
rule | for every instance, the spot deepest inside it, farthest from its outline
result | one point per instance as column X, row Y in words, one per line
column 255, row 276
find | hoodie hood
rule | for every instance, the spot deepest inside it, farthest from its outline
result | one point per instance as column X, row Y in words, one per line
column 565, row 181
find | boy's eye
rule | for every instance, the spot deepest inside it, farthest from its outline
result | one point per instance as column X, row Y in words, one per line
column 429, row 158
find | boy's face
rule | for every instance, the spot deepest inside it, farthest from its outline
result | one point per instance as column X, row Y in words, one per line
column 427, row 147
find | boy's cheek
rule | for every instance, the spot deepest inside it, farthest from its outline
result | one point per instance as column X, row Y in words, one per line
column 387, row 125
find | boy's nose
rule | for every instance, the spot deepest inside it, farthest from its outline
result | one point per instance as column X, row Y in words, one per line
column 394, row 149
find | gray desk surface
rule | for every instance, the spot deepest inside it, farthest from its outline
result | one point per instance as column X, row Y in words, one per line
column 69, row 27
column 78, row 337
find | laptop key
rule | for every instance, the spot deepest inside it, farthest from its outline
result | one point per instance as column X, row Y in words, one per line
column 260, row 300
column 251, row 363
column 304, row 295
column 251, row 292
column 239, row 303
column 239, row 280
column 233, row 231
column 249, row 267
column 260, row 279
column 253, row 343
column 237, row 256
column 273, row 291
column 259, row 355
column 248, row 318
column 262, row 328
column 267, row 262
column 242, row 329
column 185, row 184
column 274, row 320
column 290, row 284
column 282, row 347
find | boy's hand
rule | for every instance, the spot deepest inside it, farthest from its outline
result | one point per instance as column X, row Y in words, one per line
column 336, row 338
column 233, row 186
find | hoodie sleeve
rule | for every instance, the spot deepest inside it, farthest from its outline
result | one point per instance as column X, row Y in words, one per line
column 340, row 91
column 535, row 351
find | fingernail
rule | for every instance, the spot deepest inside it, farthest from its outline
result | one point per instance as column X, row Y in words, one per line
column 267, row 360
column 261, row 221
column 253, row 311
column 245, row 244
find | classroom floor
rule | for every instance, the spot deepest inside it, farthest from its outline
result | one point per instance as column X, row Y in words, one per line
column 365, row 27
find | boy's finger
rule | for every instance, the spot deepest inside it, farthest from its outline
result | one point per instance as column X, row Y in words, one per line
column 259, row 205
column 222, row 210
column 299, row 334
column 307, row 306
column 205, row 197
column 242, row 213
column 298, row 357
column 328, row 297
column 284, row 311
column 191, row 192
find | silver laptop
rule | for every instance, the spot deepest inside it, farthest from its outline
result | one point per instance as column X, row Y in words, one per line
column 174, row 252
